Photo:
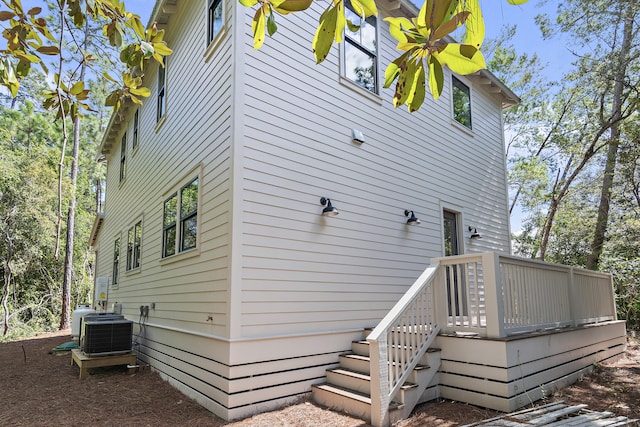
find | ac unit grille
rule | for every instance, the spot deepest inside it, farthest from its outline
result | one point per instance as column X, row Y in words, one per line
column 106, row 336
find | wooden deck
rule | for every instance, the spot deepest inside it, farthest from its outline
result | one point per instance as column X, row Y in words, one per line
column 558, row 414
column 85, row 362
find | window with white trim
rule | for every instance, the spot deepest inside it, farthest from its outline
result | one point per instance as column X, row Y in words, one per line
column 214, row 20
column 162, row 86
column 461, row 102
column 134, row 238
column 116, row 263
column 134, row 142
column 180, row 220
column 360, row 49
column 123, row 157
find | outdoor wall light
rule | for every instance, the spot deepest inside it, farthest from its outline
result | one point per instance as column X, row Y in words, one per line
column 412, row 219
column 329, row 210
column 474, row 233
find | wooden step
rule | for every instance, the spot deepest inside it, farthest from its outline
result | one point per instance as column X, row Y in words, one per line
column 348, row 401
column 355, row 362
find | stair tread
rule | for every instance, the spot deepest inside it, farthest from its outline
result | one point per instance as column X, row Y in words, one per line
column 353, row 394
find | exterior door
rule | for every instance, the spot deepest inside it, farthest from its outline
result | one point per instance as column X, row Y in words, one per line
column 456, row 289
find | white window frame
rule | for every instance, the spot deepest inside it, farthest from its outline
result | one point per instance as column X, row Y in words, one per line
column 179, row 224
column 375, row 55
column 466, row 85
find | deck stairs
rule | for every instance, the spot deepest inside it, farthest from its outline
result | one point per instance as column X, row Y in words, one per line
column 348, row 388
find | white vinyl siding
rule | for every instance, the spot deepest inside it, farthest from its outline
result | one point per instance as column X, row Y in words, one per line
column 306, row 273
column 190, row 293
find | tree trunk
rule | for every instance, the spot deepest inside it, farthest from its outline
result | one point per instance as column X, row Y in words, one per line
column 612, row 155
column 65, row 315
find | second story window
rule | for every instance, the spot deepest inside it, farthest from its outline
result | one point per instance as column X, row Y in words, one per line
column 123, row 157
column 116, row 262
column 162, row 86
column 180, row 220
column 360, row 50
column 134, row 143
column 461, row 102
column 134, row 237
column 214, row 19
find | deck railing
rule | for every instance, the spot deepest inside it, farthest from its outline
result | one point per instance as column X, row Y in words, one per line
column 496, row 295
column 398, row 343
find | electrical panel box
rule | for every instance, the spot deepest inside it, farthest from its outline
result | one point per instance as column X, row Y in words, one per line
column 102, row 288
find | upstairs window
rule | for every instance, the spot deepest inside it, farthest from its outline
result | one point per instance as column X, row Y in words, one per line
column 116, row 262
column 214, row 19
column 360, row 50
column 162, row 83
column 461, row 102
column 180, row 220
column 123, row 157
column 134, row 142
column 134, row 237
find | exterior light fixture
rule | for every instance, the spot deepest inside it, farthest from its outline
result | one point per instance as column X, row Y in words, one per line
column 474, row 233
column 412, row 219
column 329, row 210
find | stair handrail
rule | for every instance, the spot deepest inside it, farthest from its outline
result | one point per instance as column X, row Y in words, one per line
column 392, row 362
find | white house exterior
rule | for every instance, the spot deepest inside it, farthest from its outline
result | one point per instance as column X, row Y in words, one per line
column 213, row 218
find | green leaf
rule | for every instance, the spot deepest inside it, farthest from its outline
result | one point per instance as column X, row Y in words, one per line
column 434, row 11
column 271, row 25
column 323, row 39
column 517, row 2
column 77, row 88
column 436, row 77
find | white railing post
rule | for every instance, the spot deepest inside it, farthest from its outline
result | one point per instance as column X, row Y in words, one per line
column 379, row 371
column 494, row 300
column 573, row 298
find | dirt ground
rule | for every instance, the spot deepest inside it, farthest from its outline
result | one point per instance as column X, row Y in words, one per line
column 39, row 388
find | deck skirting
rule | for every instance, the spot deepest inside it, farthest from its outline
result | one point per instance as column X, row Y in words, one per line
column 508, row 374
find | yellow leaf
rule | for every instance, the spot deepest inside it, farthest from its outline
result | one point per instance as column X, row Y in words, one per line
column 516, row 2
column 417, row 92
column 341, row 21
column 474, row 35
column 396, row 25
column 393, row 69
column 365, row 8
column 436, row 77
column 248, row 3
column 137, row 26
column 162, row 49
column 462, row 59
column 323, row 39
column 405, row 82
column 140, row 91
column 258, row 26
column 291, row 5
